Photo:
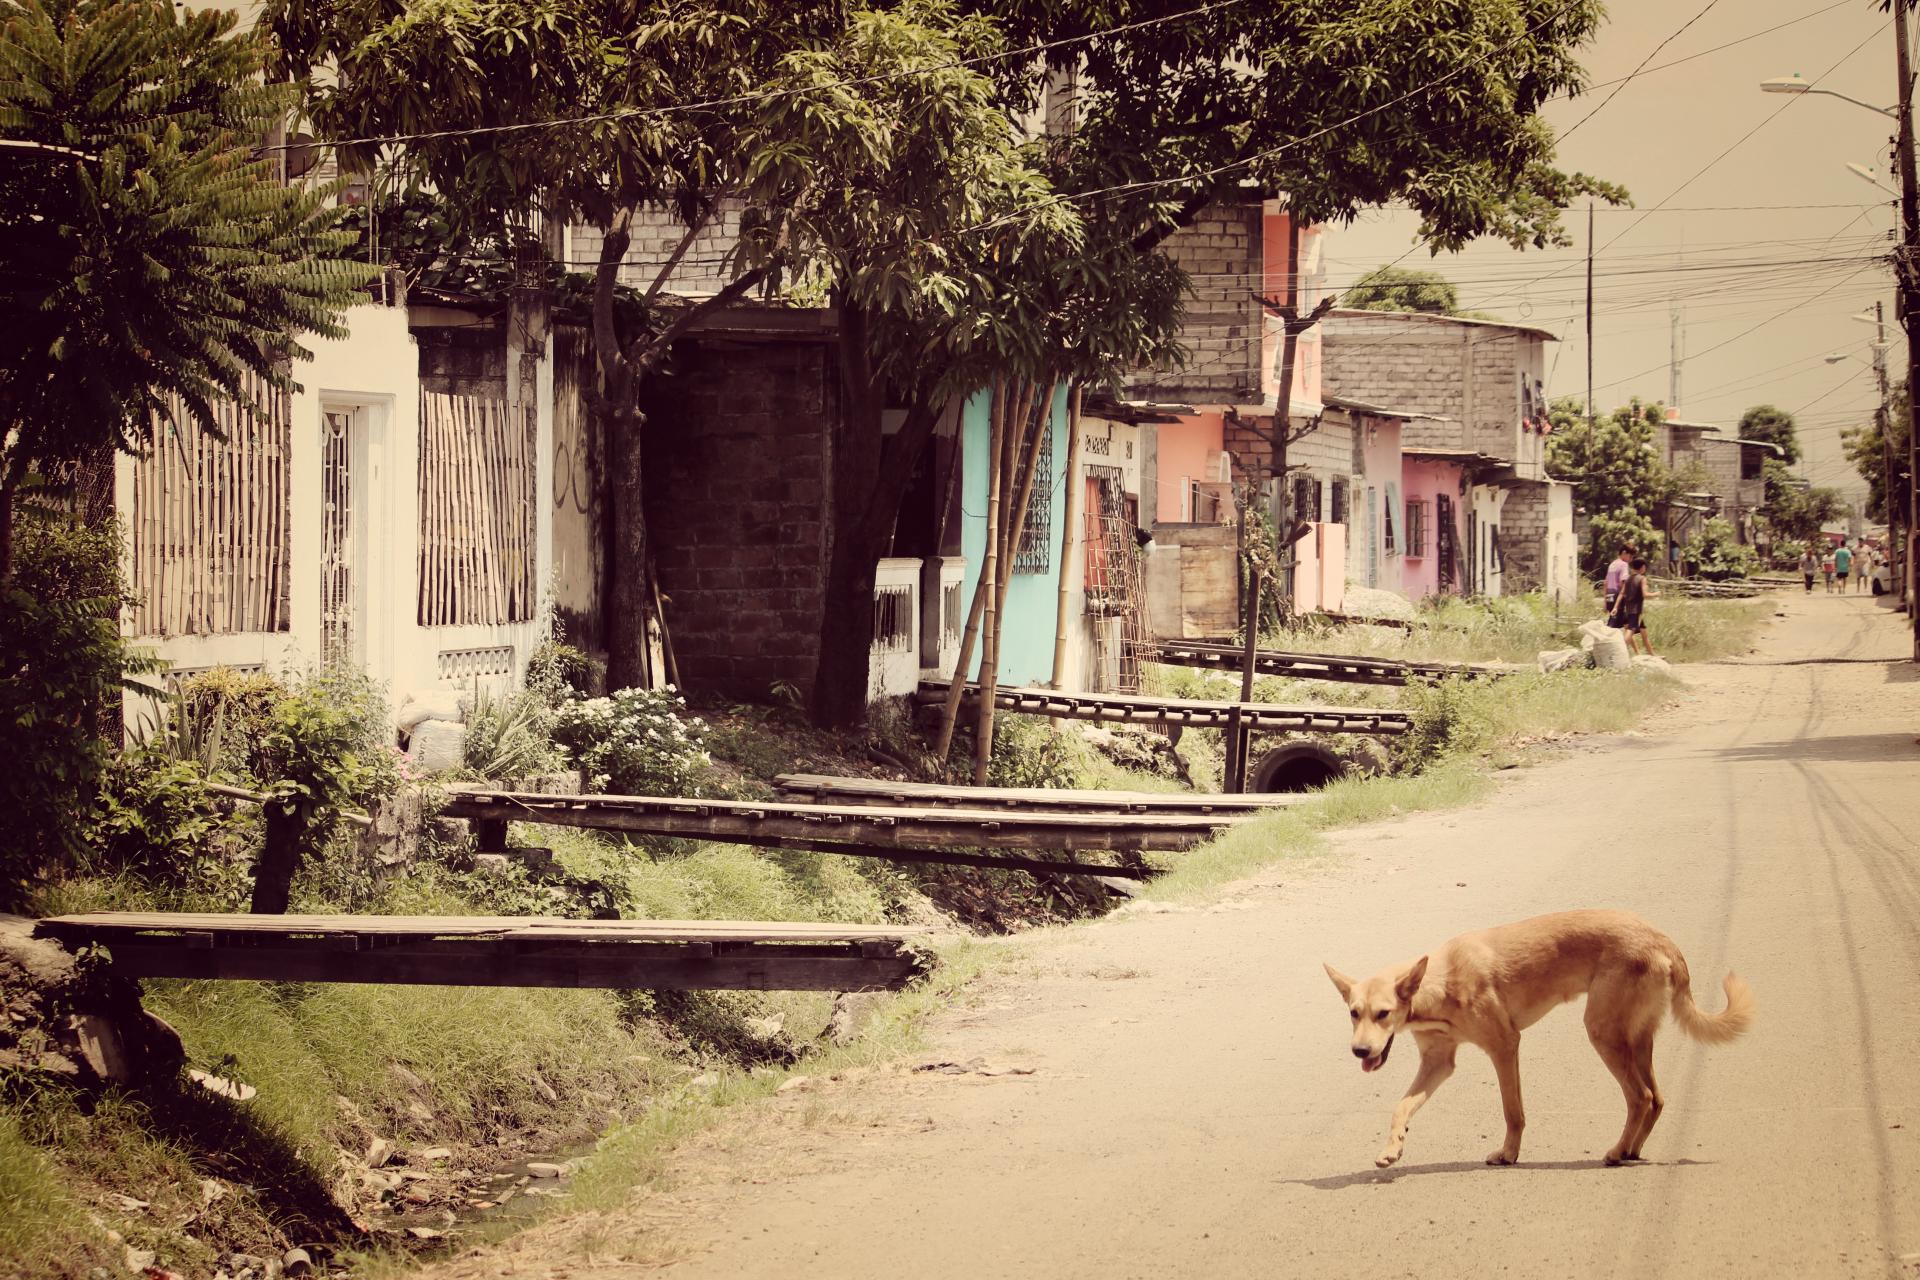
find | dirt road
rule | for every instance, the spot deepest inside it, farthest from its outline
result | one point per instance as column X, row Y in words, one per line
column 1193, row 1110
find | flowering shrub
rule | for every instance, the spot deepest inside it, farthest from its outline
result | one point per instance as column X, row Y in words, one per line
column 634, row 742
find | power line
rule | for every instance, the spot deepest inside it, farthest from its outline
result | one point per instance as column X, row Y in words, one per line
column 1621, row 84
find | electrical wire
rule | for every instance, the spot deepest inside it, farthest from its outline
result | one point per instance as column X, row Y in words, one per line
column 1621, row 84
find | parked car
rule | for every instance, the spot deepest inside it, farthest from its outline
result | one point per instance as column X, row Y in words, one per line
column 1882, row 578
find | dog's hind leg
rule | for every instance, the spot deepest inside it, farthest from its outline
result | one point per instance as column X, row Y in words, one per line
column 1436, row 1064
column 1643, row 1069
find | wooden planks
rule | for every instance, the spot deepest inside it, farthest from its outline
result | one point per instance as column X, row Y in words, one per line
column 1316, row 666
column 477, row 510
column 864, row 828
column 1184, row 712
column 881, row 791
column 500, row 950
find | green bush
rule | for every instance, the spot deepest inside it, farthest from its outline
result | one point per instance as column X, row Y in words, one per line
column 241, row 704
column 558, row 671
column 1029, row 752
column 510, row 739
column 62, row 665
column 1449, row 718
column 156, row 820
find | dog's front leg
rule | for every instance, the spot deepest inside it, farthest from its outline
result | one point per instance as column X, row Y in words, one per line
column 1436, row 1064
column 1506, row 1065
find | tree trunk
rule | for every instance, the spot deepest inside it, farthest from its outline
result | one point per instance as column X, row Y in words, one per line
column 1069, row 537
column 10, row 482
column 990, row 578
column 279, row 859
column 629, row 588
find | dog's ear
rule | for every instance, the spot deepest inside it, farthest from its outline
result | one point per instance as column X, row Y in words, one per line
column 1410, row 980
column 1340, row 980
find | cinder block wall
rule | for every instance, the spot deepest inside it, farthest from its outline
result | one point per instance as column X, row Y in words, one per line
column 1466, row 375
column 1222, row 328
column 736, row 481
column 1523, row 537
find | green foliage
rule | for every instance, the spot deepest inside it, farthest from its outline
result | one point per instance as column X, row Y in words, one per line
column 1402, row 289
column 1029, row 752
column 637, row 742
column 510, row 739
column 240, row 703
column 1449, row 718
column 150, row 273
column 558, row 671
column 1872, row 448
column 1717, row 553
column 156, row 820
column 62, row 665
column 1617, row 474
column 1795, row 509
column 1774, row 426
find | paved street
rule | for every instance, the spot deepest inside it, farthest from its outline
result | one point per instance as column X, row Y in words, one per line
column 1194, row 1111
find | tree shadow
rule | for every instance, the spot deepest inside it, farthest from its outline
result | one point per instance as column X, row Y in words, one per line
column 1378, row 1177
column 1865, row 748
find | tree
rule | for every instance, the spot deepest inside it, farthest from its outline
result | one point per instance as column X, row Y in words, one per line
column 1402, row 289
column 1796, row 509
column 151, row 262
column 1774, row 426
column 1617, row 475
column 564, row 111
column 1871, row 448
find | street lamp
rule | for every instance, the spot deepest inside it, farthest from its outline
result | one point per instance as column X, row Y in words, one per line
column 1871, row 174
column 1796, row 84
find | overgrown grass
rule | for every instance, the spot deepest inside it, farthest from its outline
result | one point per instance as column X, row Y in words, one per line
column 43, row 1231
column 1518, row 628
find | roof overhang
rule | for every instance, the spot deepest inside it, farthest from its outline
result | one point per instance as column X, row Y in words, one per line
column 1134, row 411
column 1376, row 410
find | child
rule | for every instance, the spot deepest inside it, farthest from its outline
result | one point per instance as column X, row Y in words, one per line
column 1826, row 570
column 1627, row 614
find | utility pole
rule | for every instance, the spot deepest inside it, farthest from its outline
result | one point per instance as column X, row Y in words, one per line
column 1589, row 324
column 1905, row 263
column 1883, row 417
column 1676, row 352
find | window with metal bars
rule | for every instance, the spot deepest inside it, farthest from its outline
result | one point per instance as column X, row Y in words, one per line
column 1417, row 528
column 1036, row 536
column 892, row 623
column 1338, row 514
column 1306, row 498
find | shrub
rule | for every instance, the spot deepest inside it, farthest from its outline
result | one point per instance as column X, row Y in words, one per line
column 1029, row 752
column 62, row 664
column 156, row 819
column 1716, row 553
column 558, row 671
column 241, row 703
column 509, row 739
column 1449, row 718
column 637, row 742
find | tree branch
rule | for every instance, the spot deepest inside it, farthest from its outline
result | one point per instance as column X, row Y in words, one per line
column 732, row 293
column 694, row 229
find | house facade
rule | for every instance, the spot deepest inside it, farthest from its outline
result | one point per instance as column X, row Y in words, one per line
column 1477, row 440
column 395, row 513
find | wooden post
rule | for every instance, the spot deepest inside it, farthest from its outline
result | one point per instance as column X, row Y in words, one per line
column 990, row 573
column 987, row 582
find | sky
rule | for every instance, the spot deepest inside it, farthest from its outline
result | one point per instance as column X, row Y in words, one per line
column 1764, row 291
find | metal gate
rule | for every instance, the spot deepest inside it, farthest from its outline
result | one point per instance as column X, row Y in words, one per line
column 1115, row 586
column 339, row 639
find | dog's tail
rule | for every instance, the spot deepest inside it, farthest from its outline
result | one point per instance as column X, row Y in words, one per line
column 1712, row 1028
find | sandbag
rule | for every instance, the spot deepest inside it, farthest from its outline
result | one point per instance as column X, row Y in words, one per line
column 1651, row 662
column 429, row 704
column 1608, row 645
column 437, row 746
column 1563, row 659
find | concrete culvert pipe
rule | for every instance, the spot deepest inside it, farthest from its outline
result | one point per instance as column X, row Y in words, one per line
column 1298, row 766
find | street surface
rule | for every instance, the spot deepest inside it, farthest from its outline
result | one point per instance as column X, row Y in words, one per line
column 1193, row 1109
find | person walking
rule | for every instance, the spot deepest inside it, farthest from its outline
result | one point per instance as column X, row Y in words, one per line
column 1617, row 574
column 1826, row 569
column 1863, row 567
column 1808, row 565
column 1843, row 565
column 1629, row 611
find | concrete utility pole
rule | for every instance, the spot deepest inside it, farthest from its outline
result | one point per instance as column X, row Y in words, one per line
column 1883, row 418
column 1909, row 296
column 1676, row 351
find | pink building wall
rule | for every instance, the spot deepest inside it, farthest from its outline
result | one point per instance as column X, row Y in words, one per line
column 1425, row 480
column 1274, row 271
column 1184, row 449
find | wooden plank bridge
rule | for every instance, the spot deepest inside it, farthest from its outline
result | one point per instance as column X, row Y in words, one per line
column 1315, row 666
column 1187, row 713
column 825, row 788
column 500, row 951
column 927, row 834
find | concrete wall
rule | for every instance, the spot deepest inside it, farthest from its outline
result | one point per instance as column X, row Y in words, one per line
column 1309, row 356
column 1468, row 375
column 1487, row 503
column 736, row 483
column 1033, row 602
column 1188, row 452
column 1424, row 481
column 1377, row 453
column 655, row 233
column 1224, row 326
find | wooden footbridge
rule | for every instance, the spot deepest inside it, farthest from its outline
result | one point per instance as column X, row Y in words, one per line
column 1188, row 713
column 1215, row 656
column 927, row 833
column 500, row 951
column 826, row 789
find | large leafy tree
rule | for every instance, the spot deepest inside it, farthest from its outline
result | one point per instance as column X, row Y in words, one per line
column 580, row 111
column 1879, row 452
column 149, row 262
column 1775, row 426
column 1616, row 473
column 1402, row 289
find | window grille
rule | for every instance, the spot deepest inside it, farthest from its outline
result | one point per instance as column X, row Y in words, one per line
column 951, row 616
column 1036, row 536
column 338, row 555
column 1493, row 545
column 1306, row 498
column 892, row 620
column 1338, row 515
column 477, row 505
column 457, row 666
column 1390, row 538
column 1417, row 521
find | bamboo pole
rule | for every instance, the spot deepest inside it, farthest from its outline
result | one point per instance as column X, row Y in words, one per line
column 1069, row 537
column 990, row 574
column 987, row 582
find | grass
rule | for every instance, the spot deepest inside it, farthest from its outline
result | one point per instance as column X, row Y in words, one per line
column 43, row 1231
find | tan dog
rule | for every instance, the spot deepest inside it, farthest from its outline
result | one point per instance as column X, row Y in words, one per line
column 1485, row 988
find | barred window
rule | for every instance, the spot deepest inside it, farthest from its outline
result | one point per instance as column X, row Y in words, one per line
column 1339, row 513
column 1417, row 528
column 1036, row 536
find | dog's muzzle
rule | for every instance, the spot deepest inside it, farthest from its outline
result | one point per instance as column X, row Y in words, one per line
column 1379, row 1060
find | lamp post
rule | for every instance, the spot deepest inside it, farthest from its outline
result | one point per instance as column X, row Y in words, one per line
column 1906, row 262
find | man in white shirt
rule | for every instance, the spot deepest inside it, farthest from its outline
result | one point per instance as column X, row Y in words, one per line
column 1617, row 576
